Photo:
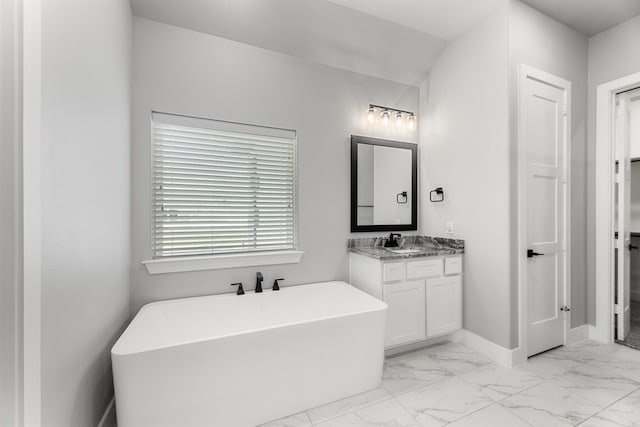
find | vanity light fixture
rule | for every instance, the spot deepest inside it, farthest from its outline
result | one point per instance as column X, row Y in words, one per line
column 370, row 115
column 402, row 116
column 385, row 117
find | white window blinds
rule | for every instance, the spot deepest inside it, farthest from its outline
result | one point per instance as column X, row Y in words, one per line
column 221, row 187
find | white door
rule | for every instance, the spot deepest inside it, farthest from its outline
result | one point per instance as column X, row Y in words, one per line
column 405, row 314
column 544, row 118
column 444, row 305
column 623, row 182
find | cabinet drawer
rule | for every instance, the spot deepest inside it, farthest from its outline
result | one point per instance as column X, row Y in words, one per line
column 424, row 268
column 393, row 271
column 453, row 265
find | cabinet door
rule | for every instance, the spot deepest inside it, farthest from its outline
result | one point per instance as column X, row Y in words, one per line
column 406, row 312
column 444, row 305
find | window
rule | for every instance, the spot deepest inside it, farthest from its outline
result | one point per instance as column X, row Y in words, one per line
column 221, row 187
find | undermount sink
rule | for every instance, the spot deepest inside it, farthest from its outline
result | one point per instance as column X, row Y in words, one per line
column 404, row 251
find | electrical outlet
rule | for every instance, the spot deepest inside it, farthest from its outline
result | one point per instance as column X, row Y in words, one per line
column 448, row 227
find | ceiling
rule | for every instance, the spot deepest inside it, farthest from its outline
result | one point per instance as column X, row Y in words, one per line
column 446, row 19
column 397, row 40
column 590, row 17
column 315, row 30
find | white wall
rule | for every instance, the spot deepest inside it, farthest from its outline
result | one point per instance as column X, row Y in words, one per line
column 10, row 211
column 548, row 45
column 86, row 63
column 465, row 149
column 183, row 71
column 613, row 54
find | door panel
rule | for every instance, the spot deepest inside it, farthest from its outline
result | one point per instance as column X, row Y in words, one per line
column 406, row 312
column 544, row 145
column 545, row 138
column 544, row 297
column 542, row 224
column 444, row 305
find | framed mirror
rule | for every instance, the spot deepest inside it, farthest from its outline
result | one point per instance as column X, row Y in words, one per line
column 384, row 185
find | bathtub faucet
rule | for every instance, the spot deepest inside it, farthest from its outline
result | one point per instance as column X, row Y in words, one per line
column 259, row 280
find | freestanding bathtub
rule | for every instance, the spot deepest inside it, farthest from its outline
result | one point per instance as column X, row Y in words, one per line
column 242, row 360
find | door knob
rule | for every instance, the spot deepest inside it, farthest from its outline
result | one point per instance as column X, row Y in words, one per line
column 632, row 247
column 531, row 253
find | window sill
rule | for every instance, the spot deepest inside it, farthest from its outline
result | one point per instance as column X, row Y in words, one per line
column 216, row 262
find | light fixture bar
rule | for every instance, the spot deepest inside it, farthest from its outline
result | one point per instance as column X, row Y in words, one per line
column 382, row 107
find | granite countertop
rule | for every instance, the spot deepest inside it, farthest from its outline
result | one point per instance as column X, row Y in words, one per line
column 416, row 246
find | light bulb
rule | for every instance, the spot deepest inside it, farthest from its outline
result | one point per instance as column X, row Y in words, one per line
column 385, row 117
column 412, row 122
column 399, row 119
column 370, row 116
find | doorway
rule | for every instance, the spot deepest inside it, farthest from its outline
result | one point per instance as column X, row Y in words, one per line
column 615, row 209
column 627, row 218
column 544, row 115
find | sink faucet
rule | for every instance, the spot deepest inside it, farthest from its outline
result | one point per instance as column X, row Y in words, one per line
column 392, row 242
column 259, row 280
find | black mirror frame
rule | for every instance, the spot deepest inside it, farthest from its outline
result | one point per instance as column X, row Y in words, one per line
column 355, row 228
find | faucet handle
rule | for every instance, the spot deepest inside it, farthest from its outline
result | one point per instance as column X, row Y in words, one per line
column 276, row 287
column 240, row 290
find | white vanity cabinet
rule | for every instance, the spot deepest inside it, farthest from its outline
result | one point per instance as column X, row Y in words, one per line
column 424, row 295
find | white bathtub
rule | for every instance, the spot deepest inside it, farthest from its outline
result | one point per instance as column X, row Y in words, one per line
column 229, row 360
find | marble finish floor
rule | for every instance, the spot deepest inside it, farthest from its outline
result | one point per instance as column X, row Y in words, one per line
column 586, row 384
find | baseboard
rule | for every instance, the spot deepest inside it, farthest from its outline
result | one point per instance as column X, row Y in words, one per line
column 578, row 333
column 415, row 346
column 495, row 352
column 635, row 295
column 109, row 417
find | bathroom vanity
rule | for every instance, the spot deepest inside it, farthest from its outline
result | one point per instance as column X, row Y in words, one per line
column 421, row 282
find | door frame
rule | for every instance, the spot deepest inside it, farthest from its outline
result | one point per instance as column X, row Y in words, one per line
column 31, row 268
column 604, row 198
column 526, row 72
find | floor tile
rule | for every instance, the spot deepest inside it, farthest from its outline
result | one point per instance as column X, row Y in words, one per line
column 412, row 374
column 625, row 413
column 601, row 385
column 491, row 416
column 457, row 358
column 427, row 366
column 622, row 361
column 498, row 382
column 350, row 404
column 388, row 413
column 551, row 364
column 549, row 405
column 444, row 402
column 297, row 420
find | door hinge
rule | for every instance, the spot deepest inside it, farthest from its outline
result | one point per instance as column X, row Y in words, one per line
column 565, row 308
column 618, row 309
